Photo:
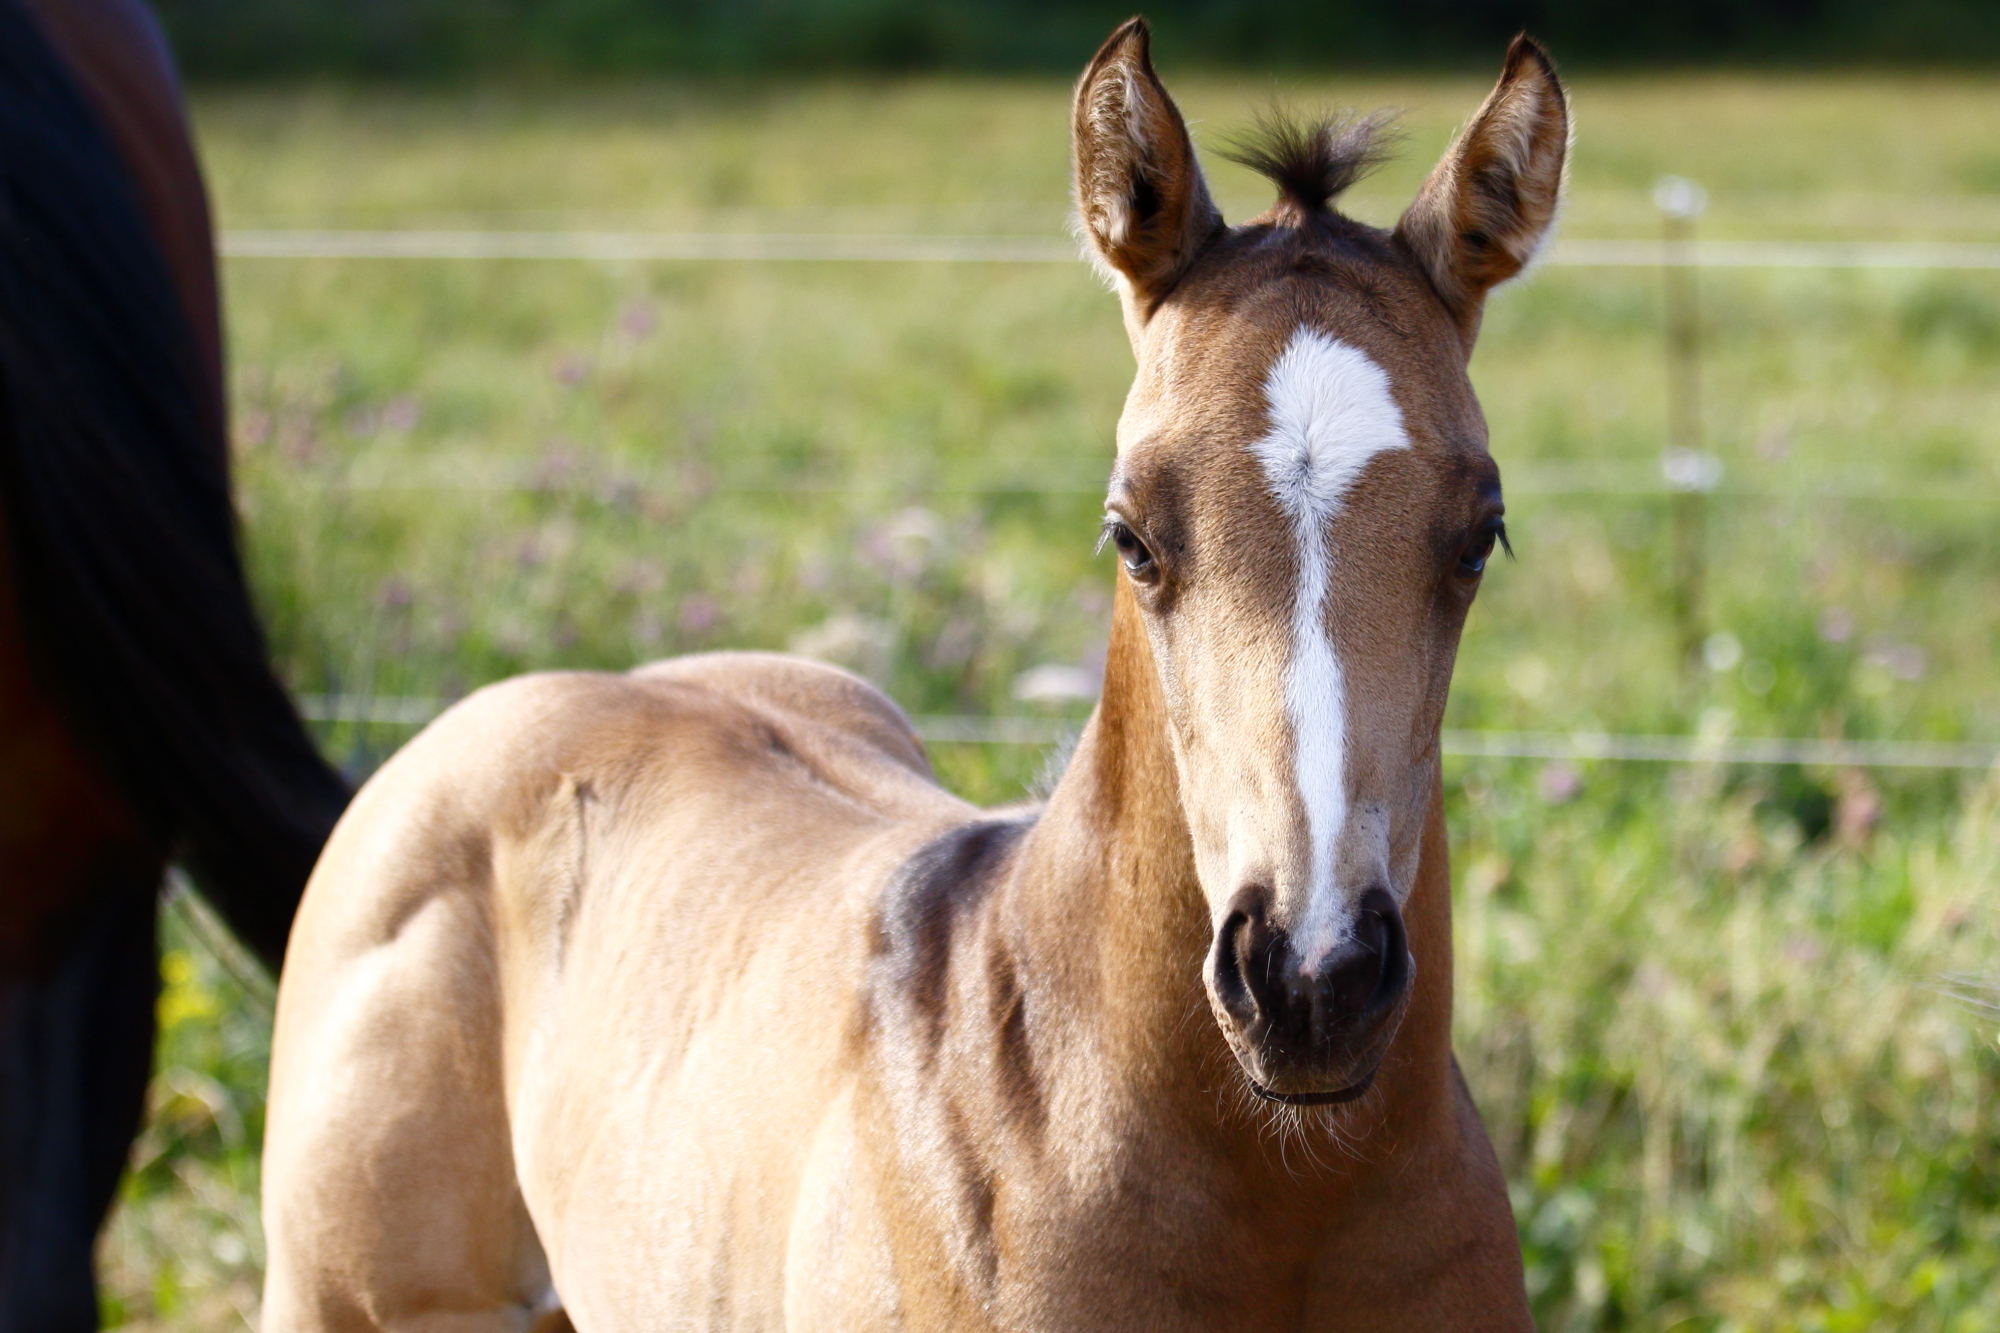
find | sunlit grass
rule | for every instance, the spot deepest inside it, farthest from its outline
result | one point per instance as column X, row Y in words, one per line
column 1710, row 1015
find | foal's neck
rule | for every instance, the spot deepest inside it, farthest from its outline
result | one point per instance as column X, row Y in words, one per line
column 1110, row 915
column 1109, row 875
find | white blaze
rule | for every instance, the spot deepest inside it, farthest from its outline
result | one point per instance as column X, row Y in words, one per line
column 1330, row 413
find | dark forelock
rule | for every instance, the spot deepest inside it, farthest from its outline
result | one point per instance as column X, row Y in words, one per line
column 1312, row 161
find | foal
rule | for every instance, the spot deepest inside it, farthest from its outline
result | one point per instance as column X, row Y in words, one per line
column 688, row 999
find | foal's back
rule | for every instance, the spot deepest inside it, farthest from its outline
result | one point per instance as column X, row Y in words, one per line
column 586, row 900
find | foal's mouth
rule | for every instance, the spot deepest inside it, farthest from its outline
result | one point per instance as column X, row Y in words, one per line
column 1328, row 1078
column 1352, row 1092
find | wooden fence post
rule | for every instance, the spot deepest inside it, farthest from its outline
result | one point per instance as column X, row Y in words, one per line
column 1690, row 472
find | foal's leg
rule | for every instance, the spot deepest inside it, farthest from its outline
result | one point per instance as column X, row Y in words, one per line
column 389, row 1193
column 76, row 1046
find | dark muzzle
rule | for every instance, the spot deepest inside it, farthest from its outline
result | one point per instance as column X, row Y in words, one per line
column 1310, row 1035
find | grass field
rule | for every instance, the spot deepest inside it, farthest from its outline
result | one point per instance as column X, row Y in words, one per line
column 1725, row 1024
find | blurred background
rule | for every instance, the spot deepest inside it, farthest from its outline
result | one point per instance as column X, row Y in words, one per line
column 571, row 333
column 263, row 38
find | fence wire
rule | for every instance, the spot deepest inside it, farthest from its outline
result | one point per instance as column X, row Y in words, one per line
column 797, row 247
column 415, row 711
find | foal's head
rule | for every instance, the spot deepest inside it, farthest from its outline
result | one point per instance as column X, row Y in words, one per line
column 1303, row 504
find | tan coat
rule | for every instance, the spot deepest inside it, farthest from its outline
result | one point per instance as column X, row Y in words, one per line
column 687, row 999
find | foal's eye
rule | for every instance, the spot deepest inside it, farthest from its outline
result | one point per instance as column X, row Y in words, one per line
column 1138, row 560
column 1472, row 560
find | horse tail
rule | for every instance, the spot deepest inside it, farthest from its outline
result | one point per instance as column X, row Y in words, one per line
column 114, row 474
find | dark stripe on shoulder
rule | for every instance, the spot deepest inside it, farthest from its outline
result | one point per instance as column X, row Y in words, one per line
column 921, row 910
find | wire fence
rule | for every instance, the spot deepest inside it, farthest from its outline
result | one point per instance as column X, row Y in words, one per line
column 1631, row 481
column 1589, row 480
column 800, row 247
column 415, row 711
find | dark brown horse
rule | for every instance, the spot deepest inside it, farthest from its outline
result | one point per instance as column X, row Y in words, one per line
column 139, row 720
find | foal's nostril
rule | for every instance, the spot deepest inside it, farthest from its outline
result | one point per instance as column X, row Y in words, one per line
column 1242, row 955
column 1378, row 971
column 1394, row 946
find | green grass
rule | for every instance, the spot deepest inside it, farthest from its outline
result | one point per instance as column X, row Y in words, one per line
column 1713, row 1017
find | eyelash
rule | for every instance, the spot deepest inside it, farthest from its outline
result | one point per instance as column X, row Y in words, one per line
column 1496, row 531
column 1119, row 532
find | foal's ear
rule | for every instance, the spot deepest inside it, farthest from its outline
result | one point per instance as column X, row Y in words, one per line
column 1140, row 197
column 1488, row 204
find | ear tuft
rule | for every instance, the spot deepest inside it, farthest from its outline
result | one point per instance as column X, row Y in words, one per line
column 1491, row 201
column 1141, row 202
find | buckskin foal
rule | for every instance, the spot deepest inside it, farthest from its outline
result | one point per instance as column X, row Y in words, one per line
column 687, row 998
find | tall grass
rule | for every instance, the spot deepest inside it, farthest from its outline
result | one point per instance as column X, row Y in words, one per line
column 1738, row 1079
column 1729, row 1027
